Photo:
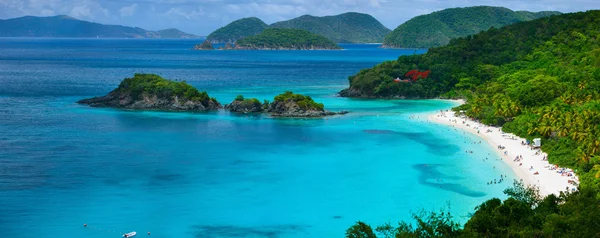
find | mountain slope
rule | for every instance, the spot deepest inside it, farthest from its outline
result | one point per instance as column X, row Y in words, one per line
column 237, row 30
column 349, row 27
column 65, row 26
column 436, row 29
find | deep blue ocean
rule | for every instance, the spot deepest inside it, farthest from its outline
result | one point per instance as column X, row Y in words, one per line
column 218, row 174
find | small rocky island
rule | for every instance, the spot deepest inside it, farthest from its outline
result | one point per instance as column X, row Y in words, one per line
column 286, row 104
column 206, row 45
column 152, row 92
column 285, row 39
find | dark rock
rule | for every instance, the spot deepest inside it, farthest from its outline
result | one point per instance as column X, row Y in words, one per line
column 290, row 108
column 245, row 106
column 351, row 93
column 206, row 45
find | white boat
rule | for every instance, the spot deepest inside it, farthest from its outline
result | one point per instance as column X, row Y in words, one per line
column 130, row 234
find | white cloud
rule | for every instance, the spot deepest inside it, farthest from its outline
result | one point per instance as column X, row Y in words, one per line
column 82, row 11
column 184, row 13
column 128, row 11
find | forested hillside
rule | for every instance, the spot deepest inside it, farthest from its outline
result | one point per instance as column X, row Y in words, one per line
column 438, row 28
column 286, row 39
column 349, row 27
column 536, row 79
column 237, row 30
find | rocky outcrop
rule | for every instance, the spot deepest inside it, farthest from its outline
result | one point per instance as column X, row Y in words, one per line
column 289, row 108
column 141, row 93
column 125, row 100
column 354, row 93
column 227, row 46
column 286, row 104
column 351, row 93
column 245, row 106
column 206, row 45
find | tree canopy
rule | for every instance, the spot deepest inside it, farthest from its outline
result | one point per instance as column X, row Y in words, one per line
column 237, row 30
column 438, row 28
column 295, row 39
column 350, row 27
column 152, row 84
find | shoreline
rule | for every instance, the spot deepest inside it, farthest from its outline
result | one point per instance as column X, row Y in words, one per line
column 548, row 179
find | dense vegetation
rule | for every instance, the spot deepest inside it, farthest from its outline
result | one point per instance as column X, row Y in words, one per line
column 275, row 38
column 237, row 30
column 349, row 27
column 251, row 101
column 152, row 84
column 436, row 29
column 65, row 26
column 536, row 79
column 304, row 102
column 523, row 214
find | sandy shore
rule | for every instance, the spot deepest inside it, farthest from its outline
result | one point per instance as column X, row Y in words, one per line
column 548, row 178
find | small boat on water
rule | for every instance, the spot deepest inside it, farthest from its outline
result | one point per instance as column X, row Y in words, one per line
column 130, row 234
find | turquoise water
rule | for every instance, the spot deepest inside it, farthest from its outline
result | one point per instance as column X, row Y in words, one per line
column 218, row 174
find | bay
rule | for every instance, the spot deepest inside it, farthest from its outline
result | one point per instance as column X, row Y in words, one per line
column 219, row 174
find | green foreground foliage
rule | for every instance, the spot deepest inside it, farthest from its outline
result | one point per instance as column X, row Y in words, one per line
column 535, row 79
column 152, row 84
column 274, row 38
column 438, row 28
column 304, row 102
column 523, row 214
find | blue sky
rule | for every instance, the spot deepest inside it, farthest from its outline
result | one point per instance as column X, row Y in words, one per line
column 203, row 16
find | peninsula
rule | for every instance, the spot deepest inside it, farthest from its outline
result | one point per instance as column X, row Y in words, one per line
column 152, row 92
column 285, row 39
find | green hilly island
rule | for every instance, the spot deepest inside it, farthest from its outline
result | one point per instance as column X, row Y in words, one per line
column 285, row 39
column 536, row 79
column 349, row 27
column 436, row 29
column 237, row 30
column 65, row 26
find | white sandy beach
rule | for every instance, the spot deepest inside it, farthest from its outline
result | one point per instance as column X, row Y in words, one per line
column 548, row 179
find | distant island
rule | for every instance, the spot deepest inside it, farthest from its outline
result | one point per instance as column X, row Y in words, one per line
column 349, row 27
column 237, row 30
column 285, row 39
column 65, row 26
column 438, row 28
column 152, row 92
column 287, row 104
